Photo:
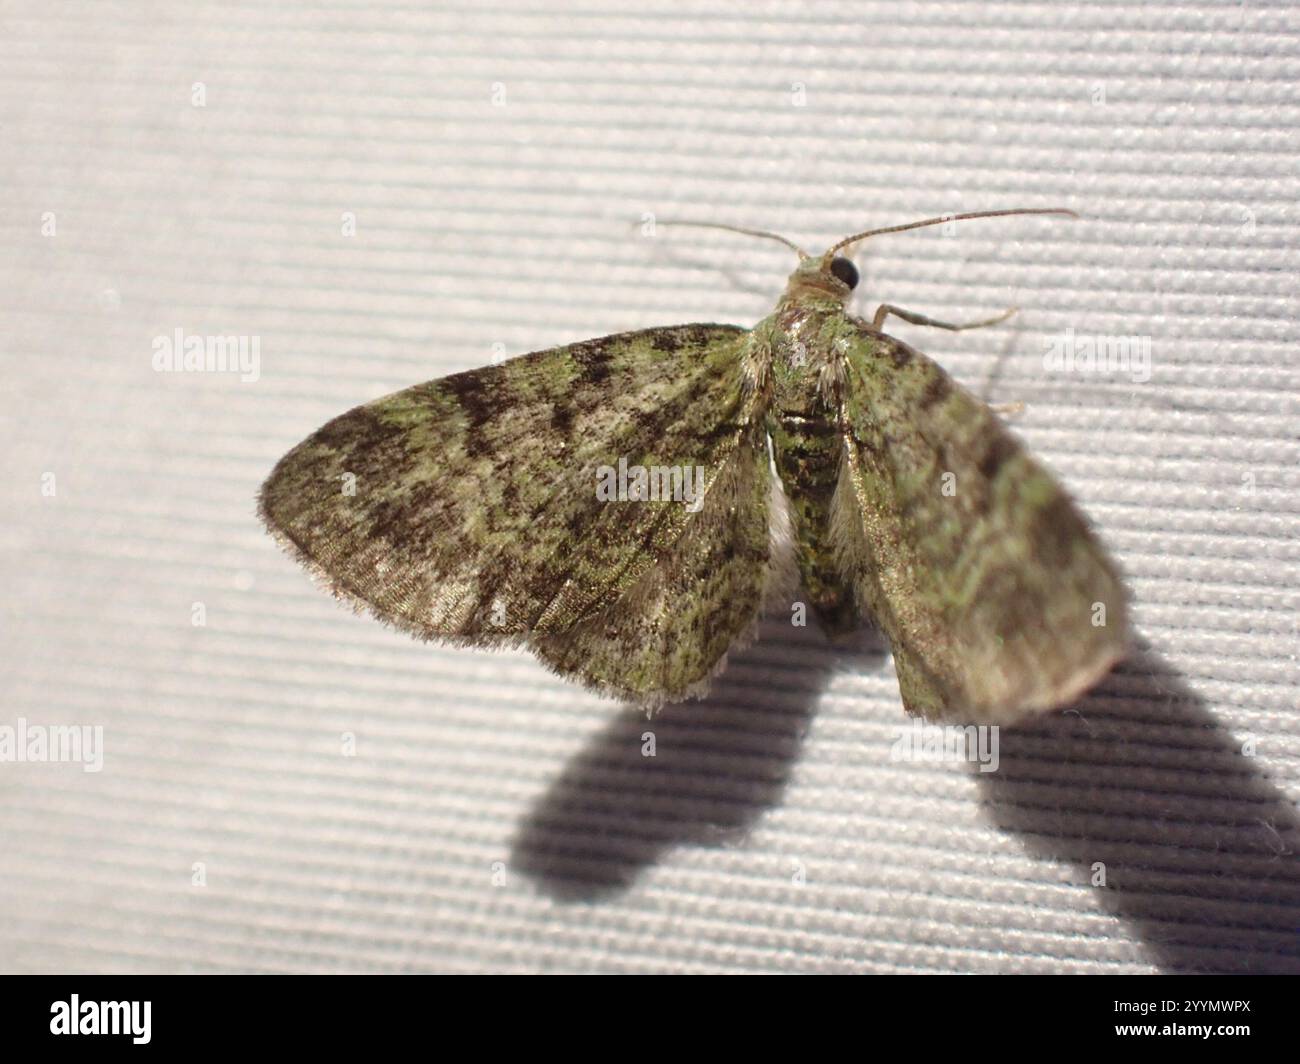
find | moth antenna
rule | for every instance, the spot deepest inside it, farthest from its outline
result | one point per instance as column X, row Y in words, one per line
column 949, row 218
column 739, row 229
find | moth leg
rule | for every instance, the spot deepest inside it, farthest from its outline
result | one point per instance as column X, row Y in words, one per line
column 885, row 309
column 1008, row 410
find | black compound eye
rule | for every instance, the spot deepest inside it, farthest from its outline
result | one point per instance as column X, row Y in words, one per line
column 845, row 271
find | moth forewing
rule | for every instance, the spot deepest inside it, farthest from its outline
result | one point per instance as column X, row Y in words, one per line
column 996, row 596
column 467, row 509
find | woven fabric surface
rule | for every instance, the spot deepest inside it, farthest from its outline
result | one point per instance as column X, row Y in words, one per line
column 383, row 193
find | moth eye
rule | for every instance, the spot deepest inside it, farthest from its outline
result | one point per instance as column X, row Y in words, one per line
column 845, row 271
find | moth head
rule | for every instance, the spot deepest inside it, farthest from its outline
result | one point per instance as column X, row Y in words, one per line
column 823, row 277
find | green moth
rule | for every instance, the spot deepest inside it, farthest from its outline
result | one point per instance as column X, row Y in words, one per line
column 625, row 508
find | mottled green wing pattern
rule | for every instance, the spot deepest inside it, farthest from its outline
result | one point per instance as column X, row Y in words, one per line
column 996, row 597
column 670, row 632
column 474, row 515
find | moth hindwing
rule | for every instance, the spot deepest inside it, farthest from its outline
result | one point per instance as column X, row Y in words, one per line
column 611, row 505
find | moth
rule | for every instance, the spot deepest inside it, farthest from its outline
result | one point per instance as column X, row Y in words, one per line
column 625, row 507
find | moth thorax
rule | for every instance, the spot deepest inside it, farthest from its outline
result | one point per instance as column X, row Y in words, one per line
column 798, row 342
column 796, row 351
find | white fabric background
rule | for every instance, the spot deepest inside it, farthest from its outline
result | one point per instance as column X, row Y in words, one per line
column 1172, row 127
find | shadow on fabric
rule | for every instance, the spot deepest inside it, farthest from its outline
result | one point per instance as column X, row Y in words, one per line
column 1198, row 848
column 720, row 763
column 1136, row 781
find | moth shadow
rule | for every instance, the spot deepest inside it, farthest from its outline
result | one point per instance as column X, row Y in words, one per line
column 715, row 766
column 1138, row 783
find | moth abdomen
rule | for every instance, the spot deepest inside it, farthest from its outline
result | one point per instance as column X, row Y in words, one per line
column 808, row 450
